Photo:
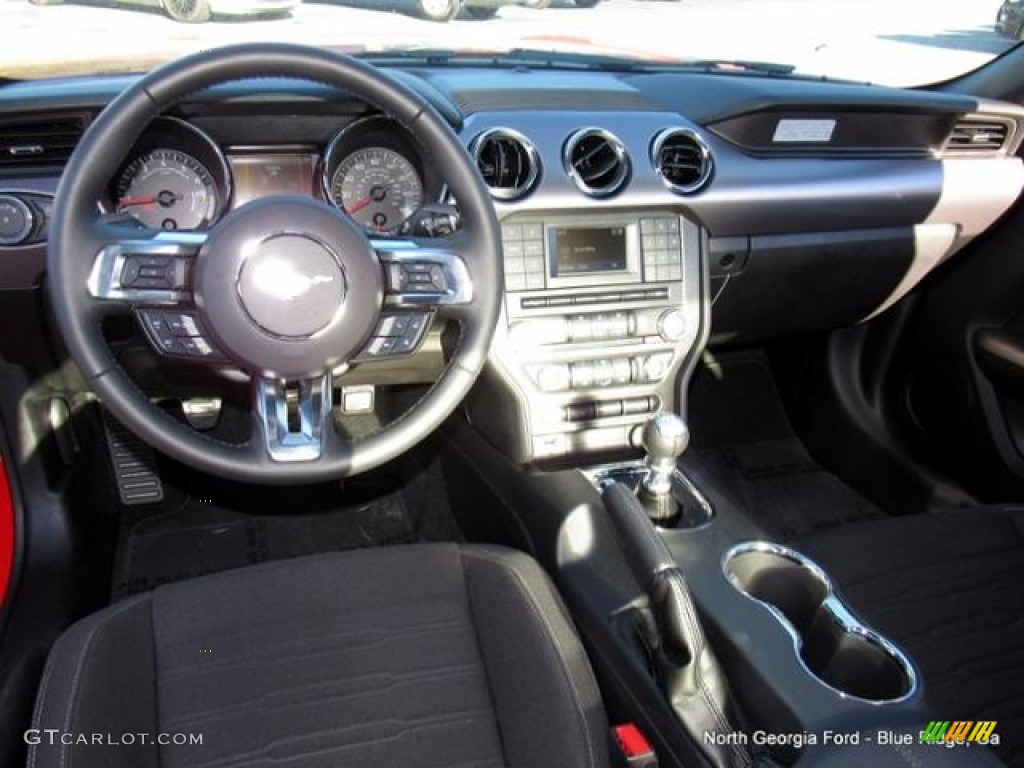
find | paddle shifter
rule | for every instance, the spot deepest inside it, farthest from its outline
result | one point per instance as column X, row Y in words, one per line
column 664, row 439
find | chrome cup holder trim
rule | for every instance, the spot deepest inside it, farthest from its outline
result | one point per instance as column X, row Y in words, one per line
column 838, row 612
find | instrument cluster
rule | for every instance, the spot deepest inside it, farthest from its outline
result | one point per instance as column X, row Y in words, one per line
column 177, row 177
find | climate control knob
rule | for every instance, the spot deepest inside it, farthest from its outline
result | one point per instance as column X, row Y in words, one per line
column 16, row 220
column 671, row 325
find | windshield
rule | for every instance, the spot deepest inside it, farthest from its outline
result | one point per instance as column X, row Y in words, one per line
column 891, row 42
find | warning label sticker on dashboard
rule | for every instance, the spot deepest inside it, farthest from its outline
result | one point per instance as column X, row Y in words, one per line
column 800, row 131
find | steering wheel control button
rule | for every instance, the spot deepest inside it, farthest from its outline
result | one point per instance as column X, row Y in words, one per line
column 292, row 286
column 154, row 272
column 177, row 334
column 393, row 325
column 417, row 277
column 397, row 335
column 197, row 347
column 159, row 332
column 413, row 333
column 182, row 324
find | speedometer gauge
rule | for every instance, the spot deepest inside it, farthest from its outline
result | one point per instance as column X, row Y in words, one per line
column 378, row 187
column 168, row 189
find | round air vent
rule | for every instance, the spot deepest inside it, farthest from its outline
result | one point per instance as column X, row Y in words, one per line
column 682, row 159
column 596, row 161
column 507, row 161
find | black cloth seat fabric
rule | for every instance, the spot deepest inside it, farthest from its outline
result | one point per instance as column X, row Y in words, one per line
column 424, row 655
column 949, row 588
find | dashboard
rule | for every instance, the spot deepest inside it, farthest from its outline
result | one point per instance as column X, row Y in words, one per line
column 644, row 216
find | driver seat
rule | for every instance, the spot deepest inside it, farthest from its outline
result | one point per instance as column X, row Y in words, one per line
column 422, row 655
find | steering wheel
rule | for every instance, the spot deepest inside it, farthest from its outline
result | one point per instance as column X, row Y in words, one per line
column 287, row 288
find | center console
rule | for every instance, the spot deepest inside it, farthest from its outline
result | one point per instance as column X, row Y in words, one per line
column 797, row 677
column 602, row 314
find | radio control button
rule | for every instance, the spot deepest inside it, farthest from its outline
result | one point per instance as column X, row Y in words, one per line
column 533, row 264
column 656, row 366
column 512, row 250
column 580, row 328
column 634, row 406
column 618, row 325
column 581, row 375
column 511, row 231
column 599, row 327
column 604, row 373
column 534, row 231
column 534, row 281
column 554, row 378
column 623, row 370
column 580, row 412
column 609, row 409
column 672, row 325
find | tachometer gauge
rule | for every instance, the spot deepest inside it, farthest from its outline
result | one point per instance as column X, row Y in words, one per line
column 378, row 187
column 168, row 189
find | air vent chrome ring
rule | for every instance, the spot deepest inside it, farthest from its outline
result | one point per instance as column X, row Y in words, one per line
column 506, row 182
column 596, row 161
column 698, row 170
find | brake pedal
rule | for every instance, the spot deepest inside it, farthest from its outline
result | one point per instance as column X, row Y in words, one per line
column 134, row 465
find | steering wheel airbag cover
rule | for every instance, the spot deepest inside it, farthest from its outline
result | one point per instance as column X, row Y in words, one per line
column 289, row 286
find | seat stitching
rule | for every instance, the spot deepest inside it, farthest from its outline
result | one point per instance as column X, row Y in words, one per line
column 259, row 702
column 83, row 656
column 483, row 663
column 292, row 741
column 723, row 723
column 331, row 645
column 37, row 712
column 532, row 604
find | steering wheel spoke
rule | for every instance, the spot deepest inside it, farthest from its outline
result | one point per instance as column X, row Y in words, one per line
column 294, row 417
column 423, row 276
column 136, row 266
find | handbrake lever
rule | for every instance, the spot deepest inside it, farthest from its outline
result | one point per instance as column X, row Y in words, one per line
column 686, row 667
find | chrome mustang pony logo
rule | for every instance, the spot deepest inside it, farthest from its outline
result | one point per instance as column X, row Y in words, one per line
column 279, row 279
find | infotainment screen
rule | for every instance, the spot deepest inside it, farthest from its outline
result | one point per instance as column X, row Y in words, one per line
column 260, row 175
column 582, row 250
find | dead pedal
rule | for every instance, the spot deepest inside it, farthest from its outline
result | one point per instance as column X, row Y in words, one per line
column 138, row 481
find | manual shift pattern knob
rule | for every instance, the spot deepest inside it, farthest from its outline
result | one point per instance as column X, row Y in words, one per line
column 664, row 438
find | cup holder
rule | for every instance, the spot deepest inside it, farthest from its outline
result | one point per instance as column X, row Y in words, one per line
column 830, row 641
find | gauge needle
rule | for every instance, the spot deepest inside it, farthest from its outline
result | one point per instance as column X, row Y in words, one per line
column 127, row 202
column 357, row 207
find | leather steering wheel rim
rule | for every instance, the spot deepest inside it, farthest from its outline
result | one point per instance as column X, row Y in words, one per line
column 78, row 233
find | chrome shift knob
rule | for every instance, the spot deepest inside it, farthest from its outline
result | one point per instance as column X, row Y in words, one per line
column 664, row 439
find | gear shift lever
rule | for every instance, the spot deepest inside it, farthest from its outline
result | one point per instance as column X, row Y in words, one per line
column 664, row 439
